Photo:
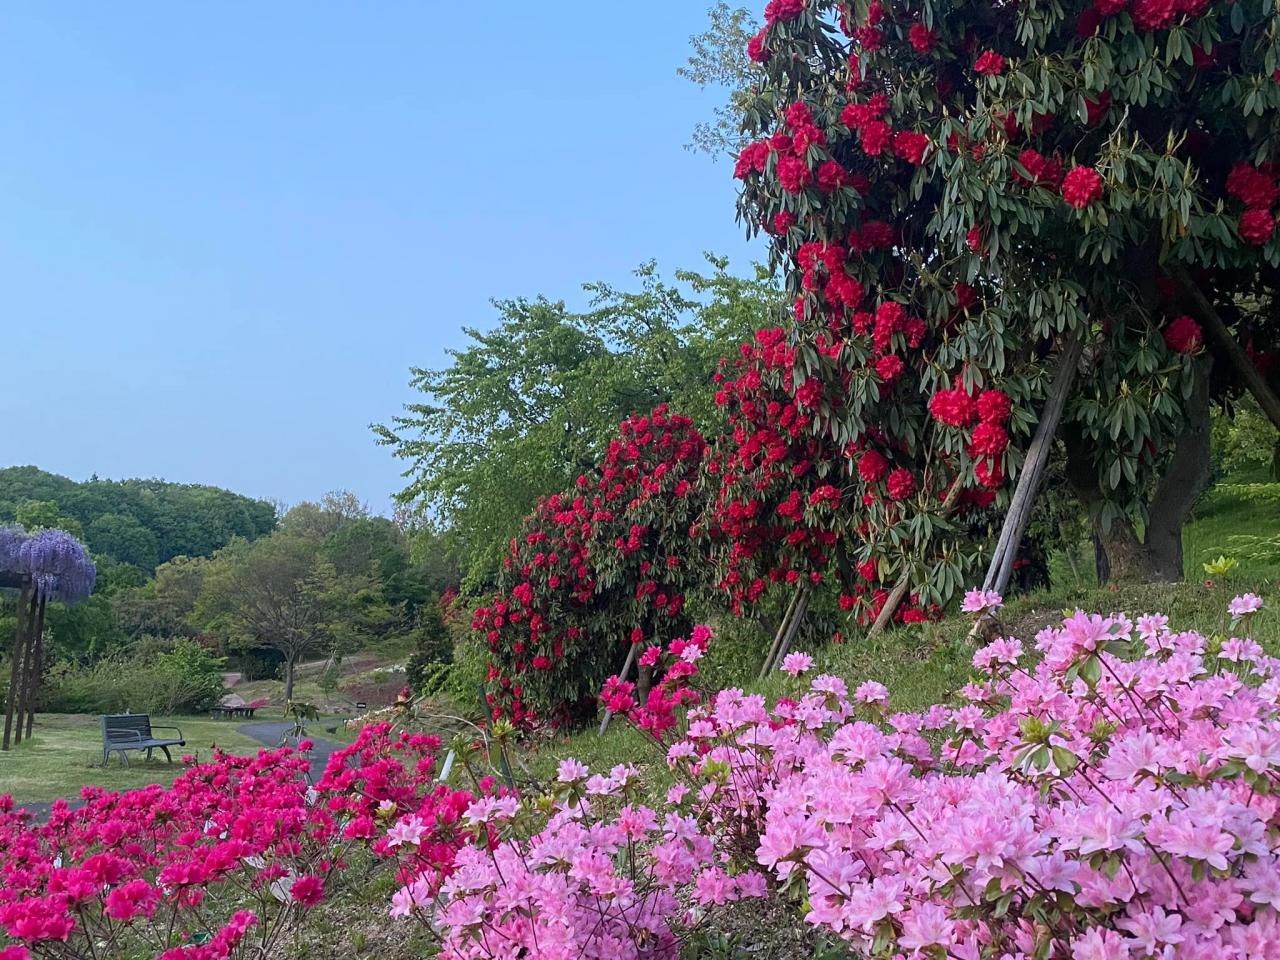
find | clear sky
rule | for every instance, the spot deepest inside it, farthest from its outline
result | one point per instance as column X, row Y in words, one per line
column 227, row 230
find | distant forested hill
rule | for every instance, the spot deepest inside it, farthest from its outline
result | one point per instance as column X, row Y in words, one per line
column 140, row 522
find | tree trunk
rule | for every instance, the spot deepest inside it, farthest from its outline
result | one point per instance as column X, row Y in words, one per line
column 288, row 677
column 16, row 672
column 1123, row 556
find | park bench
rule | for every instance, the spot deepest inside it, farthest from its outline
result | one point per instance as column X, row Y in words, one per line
column 133, row 731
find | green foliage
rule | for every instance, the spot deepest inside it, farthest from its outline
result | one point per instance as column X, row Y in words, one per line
column 1246, row 438
column 141, row 522
column 433, row 647
column 156, row 678
column 719, row 59
column 531, row 403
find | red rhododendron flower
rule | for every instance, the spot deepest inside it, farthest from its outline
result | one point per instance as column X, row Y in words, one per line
column 794, row 174
column 890, row 367
column 784, row 221
column 973, row 239
column 921, row 38
column 1096, row 109
column 754, row 156
column 1251, row 186
column 1109, row 8
column 1081, row 187
column 1256, row 226
column 875, row 137
column 1183, row 335
column 990, row 64
column 954, row 408
column 757, row 52
column 901, row 484
column 910, row 146
column 872, row 467
column 988, row 440
column 990, row 474
column 1033, row 162
column 1153, row 14
column 783, row 10
column 831, row 176
column 994, row 406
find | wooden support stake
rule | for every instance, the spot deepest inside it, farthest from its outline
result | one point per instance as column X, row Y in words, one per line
column 37, row 667
column 626, row 669
column 793, row 628
column 24, row 674
column 16, row 672
column 1033, row 470
column 777, row 637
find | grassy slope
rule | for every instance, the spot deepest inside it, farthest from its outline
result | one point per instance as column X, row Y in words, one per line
column 65, row 754
column 929, row 663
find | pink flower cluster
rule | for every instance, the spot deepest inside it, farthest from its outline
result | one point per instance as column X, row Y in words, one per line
column 1113, row 795
column 601, row 876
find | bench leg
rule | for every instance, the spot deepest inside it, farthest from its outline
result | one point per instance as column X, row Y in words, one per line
column 166, row 755
column 124, row 756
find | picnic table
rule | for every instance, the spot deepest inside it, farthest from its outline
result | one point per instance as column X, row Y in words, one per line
column 223, row 712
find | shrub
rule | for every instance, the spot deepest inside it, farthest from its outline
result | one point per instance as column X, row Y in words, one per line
column 1113, row 799
column 231, row 860
column 159, row 678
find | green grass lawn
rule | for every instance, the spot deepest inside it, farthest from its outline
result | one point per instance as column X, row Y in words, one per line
column 65, row 754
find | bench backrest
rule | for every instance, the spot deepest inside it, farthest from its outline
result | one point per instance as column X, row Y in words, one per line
column 123, row 727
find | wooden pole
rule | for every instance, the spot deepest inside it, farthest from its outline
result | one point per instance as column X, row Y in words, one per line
column 15, row 672
column 794, row 627
column 24, row 674
column 37, row 667
column 626, row 669
column 777, row 637
column 1033, row 470
column 1209, row 316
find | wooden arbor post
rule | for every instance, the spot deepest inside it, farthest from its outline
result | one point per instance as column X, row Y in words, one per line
column 18, row 672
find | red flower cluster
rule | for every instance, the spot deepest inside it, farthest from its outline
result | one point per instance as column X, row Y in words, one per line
column 990, row 64
column 1081, row 187
column 1183, row 335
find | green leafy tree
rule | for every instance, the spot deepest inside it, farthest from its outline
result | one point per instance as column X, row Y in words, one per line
column 278, row 592
column 531, row 403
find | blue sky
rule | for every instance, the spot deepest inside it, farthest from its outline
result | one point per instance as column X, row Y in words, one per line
column 227, row 230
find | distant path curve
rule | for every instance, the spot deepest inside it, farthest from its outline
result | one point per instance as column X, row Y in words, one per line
column 269, row 734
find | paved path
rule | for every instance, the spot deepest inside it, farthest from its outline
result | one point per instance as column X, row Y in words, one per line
column 269, row 733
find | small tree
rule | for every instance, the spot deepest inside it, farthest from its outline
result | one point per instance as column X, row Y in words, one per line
column 276, row 592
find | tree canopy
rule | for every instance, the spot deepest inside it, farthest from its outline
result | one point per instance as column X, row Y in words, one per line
column 140, row 522
column 532, row 402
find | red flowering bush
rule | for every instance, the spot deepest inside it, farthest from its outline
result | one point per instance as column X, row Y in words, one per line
column 992, row 185
column 227, row 862
column 595, row 571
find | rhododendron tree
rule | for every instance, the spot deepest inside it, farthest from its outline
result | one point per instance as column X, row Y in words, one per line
column 596, row 571
column 962, row 196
